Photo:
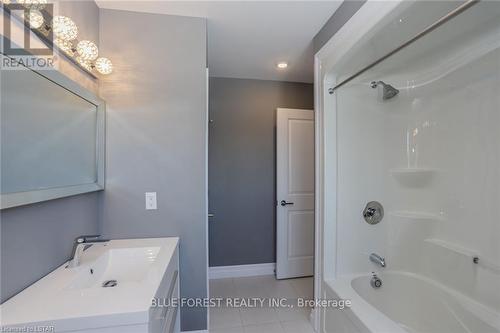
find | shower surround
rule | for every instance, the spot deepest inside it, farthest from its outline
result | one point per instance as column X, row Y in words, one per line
column 430, row 154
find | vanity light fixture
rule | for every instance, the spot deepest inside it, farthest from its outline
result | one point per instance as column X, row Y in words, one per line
column 282, row 65
column 85, row 53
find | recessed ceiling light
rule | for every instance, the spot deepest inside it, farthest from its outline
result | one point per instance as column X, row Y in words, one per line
column 282, row 65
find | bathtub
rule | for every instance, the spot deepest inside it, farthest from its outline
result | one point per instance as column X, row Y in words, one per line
column 406, row 302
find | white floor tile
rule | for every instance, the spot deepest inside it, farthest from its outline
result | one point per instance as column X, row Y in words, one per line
column 222, row 288
column 255, row 286
column 297, row 327
column 264, row 328
column 261, row 320
column 304, row 287
column 250, row 316
column 228, row 330
column 293, row 314
column 283, row 288
column 224, row 318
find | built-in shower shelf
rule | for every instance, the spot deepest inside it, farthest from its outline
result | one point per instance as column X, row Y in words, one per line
column 469, row 254
column 413, row 177
column 416, row 215
column 455, row 248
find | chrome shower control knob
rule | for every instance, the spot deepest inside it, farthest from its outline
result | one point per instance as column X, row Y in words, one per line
column 375, row 282
column 373, row 212
column 369, row 212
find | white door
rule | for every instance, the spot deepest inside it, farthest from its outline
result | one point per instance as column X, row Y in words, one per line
column 295, row 193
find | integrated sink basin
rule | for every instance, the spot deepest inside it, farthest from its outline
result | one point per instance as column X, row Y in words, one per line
column 111, row 290
column 124, row 265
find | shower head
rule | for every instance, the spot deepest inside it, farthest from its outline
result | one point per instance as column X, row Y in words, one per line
column 388, row 91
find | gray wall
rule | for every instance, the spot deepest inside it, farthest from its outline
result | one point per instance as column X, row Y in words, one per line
column 346, row 10
column 37, row 238
column 242, row 166
column 156, row 138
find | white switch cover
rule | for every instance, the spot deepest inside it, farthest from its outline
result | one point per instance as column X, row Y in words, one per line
column 151, row 200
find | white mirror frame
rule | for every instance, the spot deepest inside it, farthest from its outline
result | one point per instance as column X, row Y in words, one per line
column 29, row 197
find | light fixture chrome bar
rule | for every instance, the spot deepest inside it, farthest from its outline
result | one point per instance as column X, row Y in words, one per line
column 457, row 11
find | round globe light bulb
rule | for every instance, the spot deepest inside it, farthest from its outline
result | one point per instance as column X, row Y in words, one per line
column 64, row 28
column 33, row 4
column 104, row 66
column 35, row 19
column 65, row 45
column 87, row 64
column 87, row 50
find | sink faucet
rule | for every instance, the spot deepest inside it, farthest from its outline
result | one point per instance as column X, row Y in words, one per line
column 79, row 246
column 377, row 259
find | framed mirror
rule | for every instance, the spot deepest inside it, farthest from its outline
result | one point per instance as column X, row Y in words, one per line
column 52, row 137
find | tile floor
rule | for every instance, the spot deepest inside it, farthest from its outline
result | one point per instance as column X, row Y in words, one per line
column 261, row 319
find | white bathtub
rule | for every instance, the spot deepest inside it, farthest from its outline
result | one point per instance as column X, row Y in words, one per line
column 406, row 302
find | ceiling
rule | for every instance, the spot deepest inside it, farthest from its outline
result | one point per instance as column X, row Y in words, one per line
column 246, row 39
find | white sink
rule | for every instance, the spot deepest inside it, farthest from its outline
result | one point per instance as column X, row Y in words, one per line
column 75, row 298
column 123, row 265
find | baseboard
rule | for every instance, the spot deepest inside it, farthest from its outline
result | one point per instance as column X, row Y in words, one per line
column 221, row 272
column 201, row 331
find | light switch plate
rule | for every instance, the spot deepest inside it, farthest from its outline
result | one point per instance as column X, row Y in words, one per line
column 151, row 201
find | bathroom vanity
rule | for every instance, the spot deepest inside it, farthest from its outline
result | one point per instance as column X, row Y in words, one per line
column 111, row 290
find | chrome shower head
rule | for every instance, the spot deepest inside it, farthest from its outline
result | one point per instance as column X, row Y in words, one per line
column 388, row 91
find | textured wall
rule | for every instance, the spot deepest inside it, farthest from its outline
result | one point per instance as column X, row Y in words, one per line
column 242, row 164
column 156, row 138
column 37, row 238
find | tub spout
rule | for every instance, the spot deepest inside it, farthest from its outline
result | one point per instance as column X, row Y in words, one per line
column 377, row 259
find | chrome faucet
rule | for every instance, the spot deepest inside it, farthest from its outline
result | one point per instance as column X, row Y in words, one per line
column 377, row 259
column 80, row 244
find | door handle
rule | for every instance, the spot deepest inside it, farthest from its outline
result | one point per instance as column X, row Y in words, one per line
column 284, row 203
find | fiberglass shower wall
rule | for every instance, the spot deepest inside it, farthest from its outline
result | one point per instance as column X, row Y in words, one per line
column 430, row 155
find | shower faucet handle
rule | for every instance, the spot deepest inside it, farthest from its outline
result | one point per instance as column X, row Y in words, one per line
column 373, row 212
column 369, row 212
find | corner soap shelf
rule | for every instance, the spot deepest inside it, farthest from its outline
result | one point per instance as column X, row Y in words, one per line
column 413, row 177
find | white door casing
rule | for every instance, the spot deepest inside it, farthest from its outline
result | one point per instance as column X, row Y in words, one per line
column 295, row 193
